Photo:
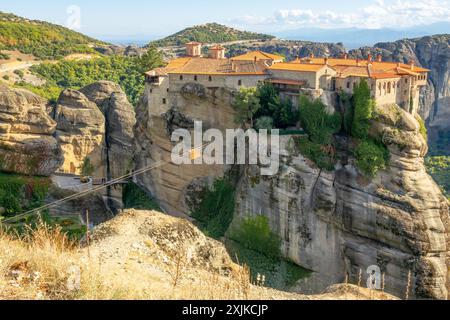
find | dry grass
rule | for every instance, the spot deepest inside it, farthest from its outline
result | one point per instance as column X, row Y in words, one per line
column 133, row 256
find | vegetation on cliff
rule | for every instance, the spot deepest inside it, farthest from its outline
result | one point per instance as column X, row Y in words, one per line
column 209, row 33
column 42, row 39
column 136, row 198
column 319, row 145
column 216, row 208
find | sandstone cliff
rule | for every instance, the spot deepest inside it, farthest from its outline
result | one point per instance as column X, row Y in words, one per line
column 340, row 223
column 336, row 223
column 27, row 145
column 170, row 183
column 96, row 122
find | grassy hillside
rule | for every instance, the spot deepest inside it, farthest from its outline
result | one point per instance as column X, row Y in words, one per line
column 209, row 33
column 42, row 39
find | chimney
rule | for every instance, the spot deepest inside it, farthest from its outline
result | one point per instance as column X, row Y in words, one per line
column 217, row 52
column 411, row 64
column 326, row 61
column 193, row 49
column 346, row 56
column 357, row 62
column 369, row 57
column 311, row 55
column 379, row 58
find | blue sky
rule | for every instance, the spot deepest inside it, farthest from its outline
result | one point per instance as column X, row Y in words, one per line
column 103, row 18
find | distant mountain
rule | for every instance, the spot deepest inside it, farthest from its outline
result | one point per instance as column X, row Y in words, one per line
column 353, row 38
column 209, row 33
column 42, row 39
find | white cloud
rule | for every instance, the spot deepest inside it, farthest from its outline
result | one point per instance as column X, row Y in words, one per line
column 380, row 14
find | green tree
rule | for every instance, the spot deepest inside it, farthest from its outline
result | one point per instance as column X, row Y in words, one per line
column 364, row 107
column 87, row 168
column 152, row 59
column 246, row 104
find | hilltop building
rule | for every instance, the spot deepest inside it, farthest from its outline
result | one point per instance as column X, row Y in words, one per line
column 390, row 82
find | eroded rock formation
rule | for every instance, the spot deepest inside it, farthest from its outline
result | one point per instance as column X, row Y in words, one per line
column 170, row 183
column 340, row 223
column 27, row 145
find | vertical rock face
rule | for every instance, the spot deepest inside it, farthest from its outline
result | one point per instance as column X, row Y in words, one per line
column 80, row 131
column 169, row 183
column 338, row 223
column 97, row 122
column 26, row 142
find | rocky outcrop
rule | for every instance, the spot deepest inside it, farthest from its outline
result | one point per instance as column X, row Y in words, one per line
column 27, row 145
column 340, row 223
column 119, row 122
column 97, row 122
column 169, row 183
column 80, row 131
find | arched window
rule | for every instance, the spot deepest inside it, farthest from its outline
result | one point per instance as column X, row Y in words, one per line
column 209, row 78
column 389, row 87
column 239, row 82
column 195, row 78
column 164, row 101
column 181, row 78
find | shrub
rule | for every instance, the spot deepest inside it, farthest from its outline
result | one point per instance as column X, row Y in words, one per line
column 264, row 122
column 134, row 197
column 87, row 168
column 246, row 104
column 422, row 127
column 317, row 122
column 19, row 73
column 216, row 208
column 254, row 233
column 371, row 157
column 6, row 77
column 363, row 106
column 322, row 155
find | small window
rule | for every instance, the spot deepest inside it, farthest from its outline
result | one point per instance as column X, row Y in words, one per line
column 209, row 78
column 195, row 78
column 151, row 90
column 406, row 80
column 348, row 85
column 164, row 101
column 239, row 82
column 181, row 78
column 167, row 89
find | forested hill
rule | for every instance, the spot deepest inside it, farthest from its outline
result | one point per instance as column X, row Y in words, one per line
column 209, row 33
column 42, row 39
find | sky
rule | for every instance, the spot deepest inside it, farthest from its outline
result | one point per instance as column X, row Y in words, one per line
column 156, row 18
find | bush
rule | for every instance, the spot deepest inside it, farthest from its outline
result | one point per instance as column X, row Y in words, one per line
column 254, row 233
column 371, row 157
column 6, row 77
column 317, row 122
column 87, row 168
column 246, row 104
column 216, row 208
column 19, row 73
column 136, row 198
column 126, row 71
column 264, row 122
column 281, row 111
column 439, row 168
column 322, row 155
column 422, row 127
